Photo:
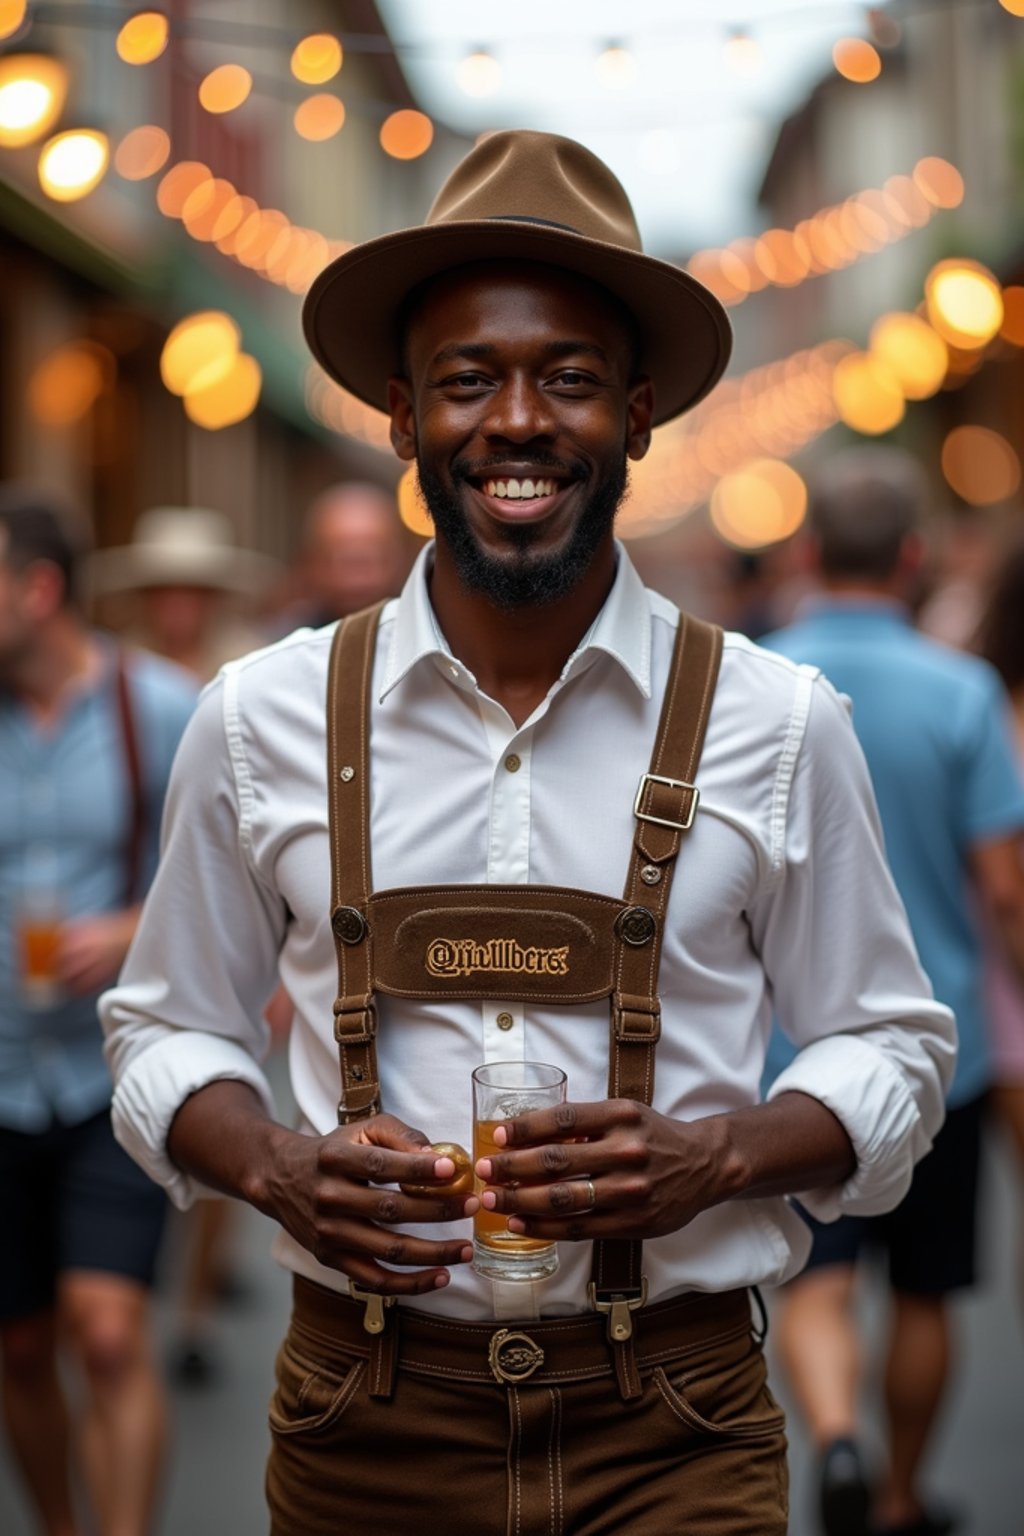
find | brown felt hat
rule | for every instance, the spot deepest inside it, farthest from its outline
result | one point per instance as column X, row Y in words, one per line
column 520, row 196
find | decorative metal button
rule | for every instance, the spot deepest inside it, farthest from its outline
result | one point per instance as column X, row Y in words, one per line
column 504, row 1021
column 635, row 926
column 513, row 762
column 513, row 1356
column 650, row 874
column 347, row 774
column 349, row 924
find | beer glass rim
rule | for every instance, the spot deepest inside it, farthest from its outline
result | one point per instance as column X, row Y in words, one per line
column 480, row 1073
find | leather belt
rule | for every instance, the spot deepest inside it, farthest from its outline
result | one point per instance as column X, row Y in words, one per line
column 540, row 1352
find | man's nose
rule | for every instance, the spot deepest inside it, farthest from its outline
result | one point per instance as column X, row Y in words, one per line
column 519, row 411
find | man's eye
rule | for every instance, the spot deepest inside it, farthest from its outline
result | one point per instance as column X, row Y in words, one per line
column 571, row 377
column 467, row 381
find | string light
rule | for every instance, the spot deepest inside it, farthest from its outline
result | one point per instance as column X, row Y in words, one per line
column 406, row 135
column 64, row 387
column 229, row 399
column 224, row 89
column 479, row 73
column 12, row 14
column 964, row 302
column 143, row 37
column 914, row 353
column 980, row 465
column 33, row 88
column 412, row 509
column 71, row 164
column 200, row 351
column 319, row 117
column 317, row 59
column 857, row 60
column 1015, row 7
column 142, row 152
column 761, row 504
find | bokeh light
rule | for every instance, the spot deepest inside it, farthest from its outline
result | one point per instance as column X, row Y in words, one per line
column 319, row 117
column 406, row 134
column 199, row 352
column 980, row 465
column 856, row 59
column 964, row 302
column 71, row 164
column 63, row 388
column 1015, row 7
column 175, row 187
column 760, row 504
column 941, row 182
column 204, row 205
column 479, row 74
column 1012, row 328
column 412, row 509
column 12, row 14
column 915, row 354
column 615, row 67
column 229, row 398
column 316, row 59
column 33, row 88
column 143, row 37
column 867, row 395
column 142, row 152
column 225, row 88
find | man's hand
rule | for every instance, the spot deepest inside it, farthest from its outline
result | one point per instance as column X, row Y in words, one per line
column 618, row 1169
column 91, row 950
column 613, row 1169
column 330, row 1192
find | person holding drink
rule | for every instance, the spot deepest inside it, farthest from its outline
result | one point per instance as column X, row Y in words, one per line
column 521, row 749
column 86, row 740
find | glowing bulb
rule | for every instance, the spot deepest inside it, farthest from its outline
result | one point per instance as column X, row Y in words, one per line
column 867, row 394
column 406, row 135
column 479, row 74
column 71, row 164
column 33, row 87
column 616, row 67
column 1015, row 7
column 964, row 302
column 980, row 465
column 316, row 59
column 915, row 354
column 228, row 399
column 225, row 88
column 319, row 117
column 142, row 152
column 176, row 185
column 200, row 350
column 940, row 182
column 143, row 37
column 12, row 14
column 760, row 504
column 855, row 59
column 412, row 509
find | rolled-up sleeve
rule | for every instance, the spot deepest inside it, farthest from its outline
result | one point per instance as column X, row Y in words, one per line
column 849, row 991
column 188, row 1007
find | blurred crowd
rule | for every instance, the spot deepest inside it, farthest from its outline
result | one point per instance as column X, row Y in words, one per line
column 914, row 617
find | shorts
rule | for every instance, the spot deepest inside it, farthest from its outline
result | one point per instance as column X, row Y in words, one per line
column 930, row 1239
column 72, row 1199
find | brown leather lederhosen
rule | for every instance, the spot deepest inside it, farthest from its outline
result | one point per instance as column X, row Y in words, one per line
column 525, row 943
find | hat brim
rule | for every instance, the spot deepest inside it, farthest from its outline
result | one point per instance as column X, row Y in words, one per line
column 134, row 568
column 350, row 314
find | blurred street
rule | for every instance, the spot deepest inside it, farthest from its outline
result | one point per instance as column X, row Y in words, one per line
column 215, row 1483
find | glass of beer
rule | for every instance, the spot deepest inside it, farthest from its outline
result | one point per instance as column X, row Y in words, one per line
column 38, row 926
column 501, row 1091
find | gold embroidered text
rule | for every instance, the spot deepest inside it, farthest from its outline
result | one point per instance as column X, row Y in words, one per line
column 464, row 957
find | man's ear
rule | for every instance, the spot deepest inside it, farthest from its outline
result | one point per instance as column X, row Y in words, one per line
column 639, row 411
column 403, row 419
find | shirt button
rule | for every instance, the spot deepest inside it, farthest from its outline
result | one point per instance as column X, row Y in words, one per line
column 504, row 1021
column 513, row 762
column 453, row 670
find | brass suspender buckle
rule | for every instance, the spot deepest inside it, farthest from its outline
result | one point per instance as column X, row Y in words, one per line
column 665, row 821
column 620, row 1322
column 374, row 1319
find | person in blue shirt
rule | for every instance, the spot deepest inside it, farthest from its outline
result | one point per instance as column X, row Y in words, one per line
column 935, row 729
column 87, row 735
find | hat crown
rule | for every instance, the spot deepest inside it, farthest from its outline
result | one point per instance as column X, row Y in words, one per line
column 198, row 530
column 538, row 178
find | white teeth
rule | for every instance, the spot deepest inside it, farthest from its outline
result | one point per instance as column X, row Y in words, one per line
column 520, row 490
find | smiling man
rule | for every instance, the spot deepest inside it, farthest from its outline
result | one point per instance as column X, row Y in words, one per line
column 522, row 735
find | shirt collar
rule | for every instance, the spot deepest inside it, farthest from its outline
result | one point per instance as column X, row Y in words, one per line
column 622, row 629
column 861, row 606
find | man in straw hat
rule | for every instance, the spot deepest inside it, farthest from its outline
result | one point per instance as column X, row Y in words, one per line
column 499, row 756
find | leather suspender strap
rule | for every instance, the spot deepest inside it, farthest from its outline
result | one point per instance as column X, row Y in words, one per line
column 664, row 808
column 133, row 765
column 348, row 778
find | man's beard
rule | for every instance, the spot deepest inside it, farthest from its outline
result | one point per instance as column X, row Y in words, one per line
column 519, row 578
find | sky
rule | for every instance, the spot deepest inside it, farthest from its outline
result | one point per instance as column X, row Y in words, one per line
column 687, row 132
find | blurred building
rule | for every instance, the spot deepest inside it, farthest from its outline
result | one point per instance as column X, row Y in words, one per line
column 200, row 209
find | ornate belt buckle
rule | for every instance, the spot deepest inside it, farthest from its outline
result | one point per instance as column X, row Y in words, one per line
column 513, row 1356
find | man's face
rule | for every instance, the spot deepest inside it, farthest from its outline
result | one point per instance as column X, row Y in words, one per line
column 16, row 628
column 521, row 410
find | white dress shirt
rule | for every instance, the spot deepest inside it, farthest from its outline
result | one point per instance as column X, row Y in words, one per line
column 781, row 899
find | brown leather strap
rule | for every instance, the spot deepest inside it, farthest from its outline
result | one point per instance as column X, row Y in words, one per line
column 133, row 767
column 348, row 778
column 666, row 802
